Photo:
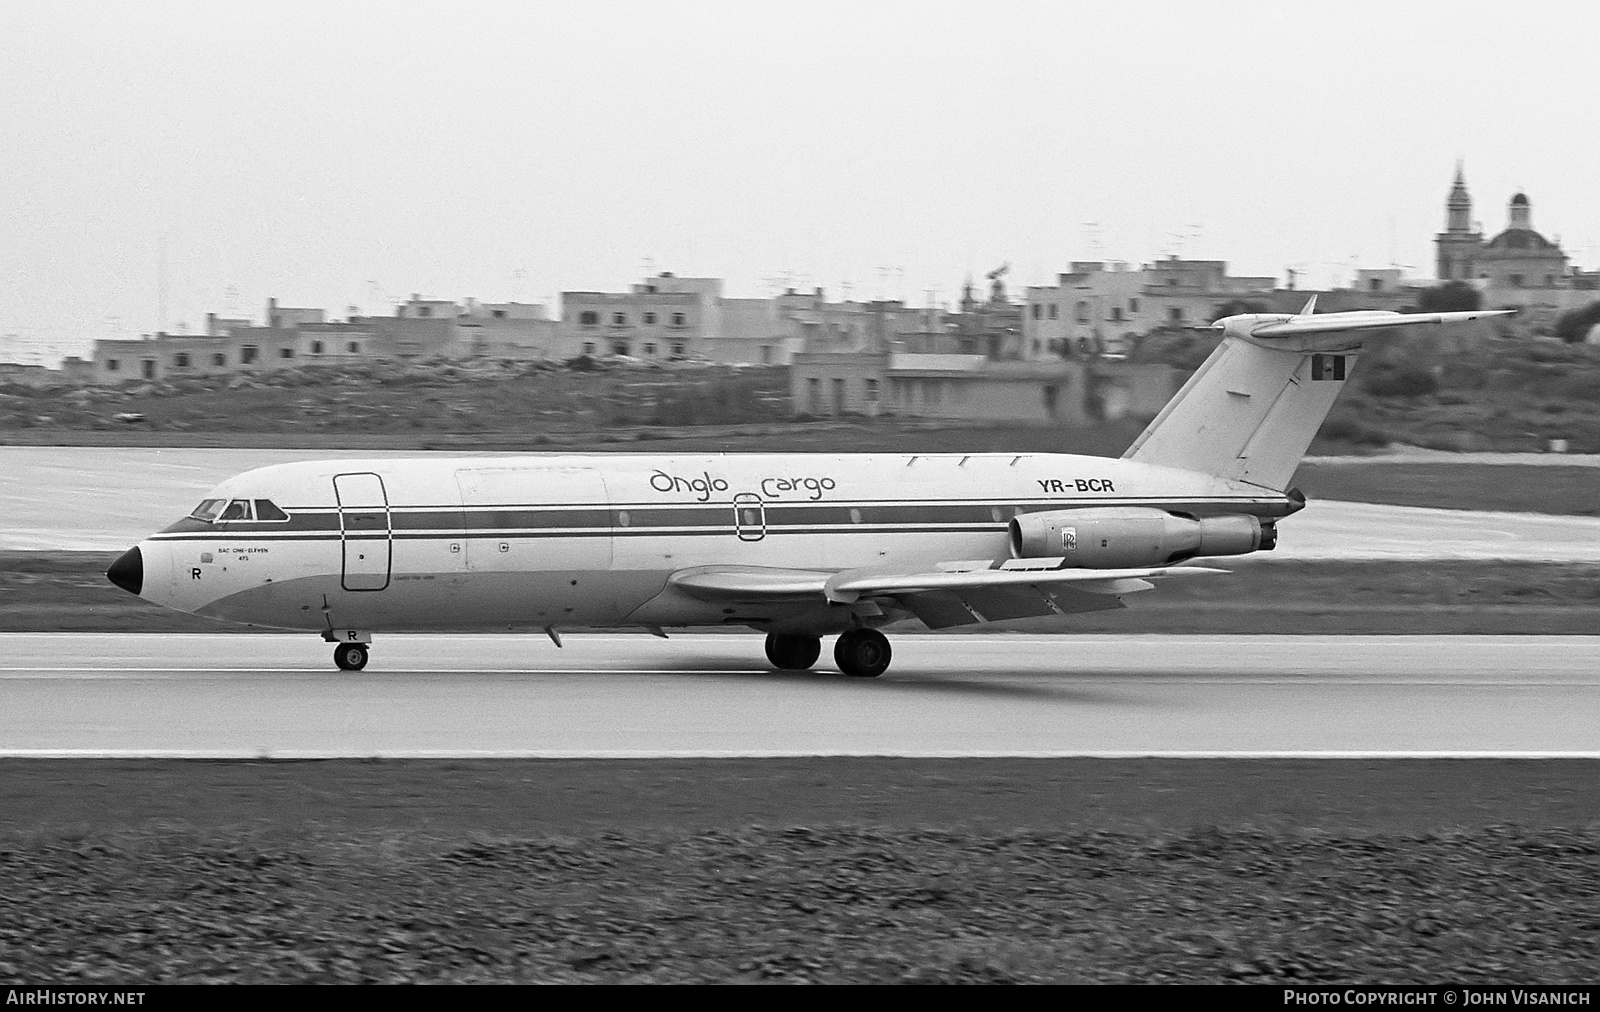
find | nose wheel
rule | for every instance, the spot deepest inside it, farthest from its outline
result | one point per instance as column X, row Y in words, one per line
column 863, row 653
column 350, row 656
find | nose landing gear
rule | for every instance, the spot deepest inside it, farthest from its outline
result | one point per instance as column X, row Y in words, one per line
column 351, row 647
column 350, row 656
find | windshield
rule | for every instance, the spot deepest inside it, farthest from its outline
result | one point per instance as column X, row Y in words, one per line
column 208, row 510
column 239, row 509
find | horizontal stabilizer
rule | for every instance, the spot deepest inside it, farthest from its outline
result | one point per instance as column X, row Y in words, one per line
column 1335, row 323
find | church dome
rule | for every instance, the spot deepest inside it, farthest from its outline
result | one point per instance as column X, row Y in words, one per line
column 1521, row 239
column 1520, row 200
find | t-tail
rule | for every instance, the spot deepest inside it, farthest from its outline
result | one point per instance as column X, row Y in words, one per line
column 1252, row 408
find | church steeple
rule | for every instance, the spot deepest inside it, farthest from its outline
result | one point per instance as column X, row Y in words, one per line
column 1458, row 244
column 1458, row 208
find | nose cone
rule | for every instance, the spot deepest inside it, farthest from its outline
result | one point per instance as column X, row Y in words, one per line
column 128, row 571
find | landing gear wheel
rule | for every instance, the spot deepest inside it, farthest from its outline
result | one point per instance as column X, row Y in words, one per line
column 793, row 653
column 863, row 653
column 350, row 656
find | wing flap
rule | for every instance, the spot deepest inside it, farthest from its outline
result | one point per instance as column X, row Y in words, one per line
column 849, row 585
column 1005, row 588
column 943, row 609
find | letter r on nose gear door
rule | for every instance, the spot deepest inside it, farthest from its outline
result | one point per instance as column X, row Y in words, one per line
column 365, row 532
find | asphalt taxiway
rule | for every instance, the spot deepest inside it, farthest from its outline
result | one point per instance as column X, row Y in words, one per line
column 612, row 695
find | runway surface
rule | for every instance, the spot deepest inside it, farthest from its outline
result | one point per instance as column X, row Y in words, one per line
column 103, row 499
column 712, row 695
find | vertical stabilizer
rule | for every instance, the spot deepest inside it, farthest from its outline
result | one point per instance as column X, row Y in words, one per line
column 1248, row 413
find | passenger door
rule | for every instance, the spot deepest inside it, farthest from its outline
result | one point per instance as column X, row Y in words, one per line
column 365, row 531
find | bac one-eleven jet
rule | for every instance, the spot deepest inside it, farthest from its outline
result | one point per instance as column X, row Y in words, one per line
column 799, row 546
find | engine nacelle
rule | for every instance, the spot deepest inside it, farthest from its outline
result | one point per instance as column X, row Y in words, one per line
column 1123, row 537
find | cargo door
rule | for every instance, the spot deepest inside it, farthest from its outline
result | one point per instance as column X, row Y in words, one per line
column 365, row 531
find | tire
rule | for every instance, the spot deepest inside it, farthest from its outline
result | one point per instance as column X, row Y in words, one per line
column 350, row 656
column 793, row 653
column 862, row 653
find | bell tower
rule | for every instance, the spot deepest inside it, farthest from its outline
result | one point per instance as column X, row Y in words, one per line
column 1459, row 244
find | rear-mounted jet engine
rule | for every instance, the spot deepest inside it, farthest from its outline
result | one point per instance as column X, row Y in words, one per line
column 1123, row 537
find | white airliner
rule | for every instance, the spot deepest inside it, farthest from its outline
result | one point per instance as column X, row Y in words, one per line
column 798, row 546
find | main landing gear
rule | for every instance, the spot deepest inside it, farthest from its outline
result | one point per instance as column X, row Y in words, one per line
column 863, row 653
column 350, row 656
column 793, row 653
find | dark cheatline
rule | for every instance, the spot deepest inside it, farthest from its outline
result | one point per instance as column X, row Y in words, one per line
column 128, row 571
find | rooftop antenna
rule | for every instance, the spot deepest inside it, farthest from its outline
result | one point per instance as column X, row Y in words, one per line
column 161, row 284
column 1091, row 239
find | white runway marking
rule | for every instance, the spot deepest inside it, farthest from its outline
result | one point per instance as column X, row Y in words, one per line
column 756, row 754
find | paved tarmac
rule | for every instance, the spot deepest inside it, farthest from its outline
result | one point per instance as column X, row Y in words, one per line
column 712, row 695
column 106, row 499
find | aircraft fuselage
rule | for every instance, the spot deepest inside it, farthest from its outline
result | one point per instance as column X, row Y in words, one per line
column 591, row 541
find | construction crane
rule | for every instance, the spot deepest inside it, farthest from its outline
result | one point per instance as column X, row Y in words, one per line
column 997, row 288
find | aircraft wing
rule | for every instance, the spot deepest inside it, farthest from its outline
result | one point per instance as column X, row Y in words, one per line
column 1331, row 323
column 941, row 597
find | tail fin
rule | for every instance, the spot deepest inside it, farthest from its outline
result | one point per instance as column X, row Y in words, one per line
column 1247, row 413
column 1251, row 409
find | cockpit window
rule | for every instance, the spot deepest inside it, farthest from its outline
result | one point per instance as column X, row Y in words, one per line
column 239, row 509
column 208, row 509
column 266, row 509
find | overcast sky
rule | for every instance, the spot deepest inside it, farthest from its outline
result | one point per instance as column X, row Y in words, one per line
column 337, row 154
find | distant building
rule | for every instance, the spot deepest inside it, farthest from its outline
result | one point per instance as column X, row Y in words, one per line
column 661, row 318
column 976, row 388
column 420, row 329
column 289, row 317
column 1519, row 257
column 666, row 317
column 1102, row 308
column 992, row 328
column 1517, row 269
column 519, row 331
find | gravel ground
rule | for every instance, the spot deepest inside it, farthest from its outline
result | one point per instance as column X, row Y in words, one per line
column 828, row 904
column 863, row 870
